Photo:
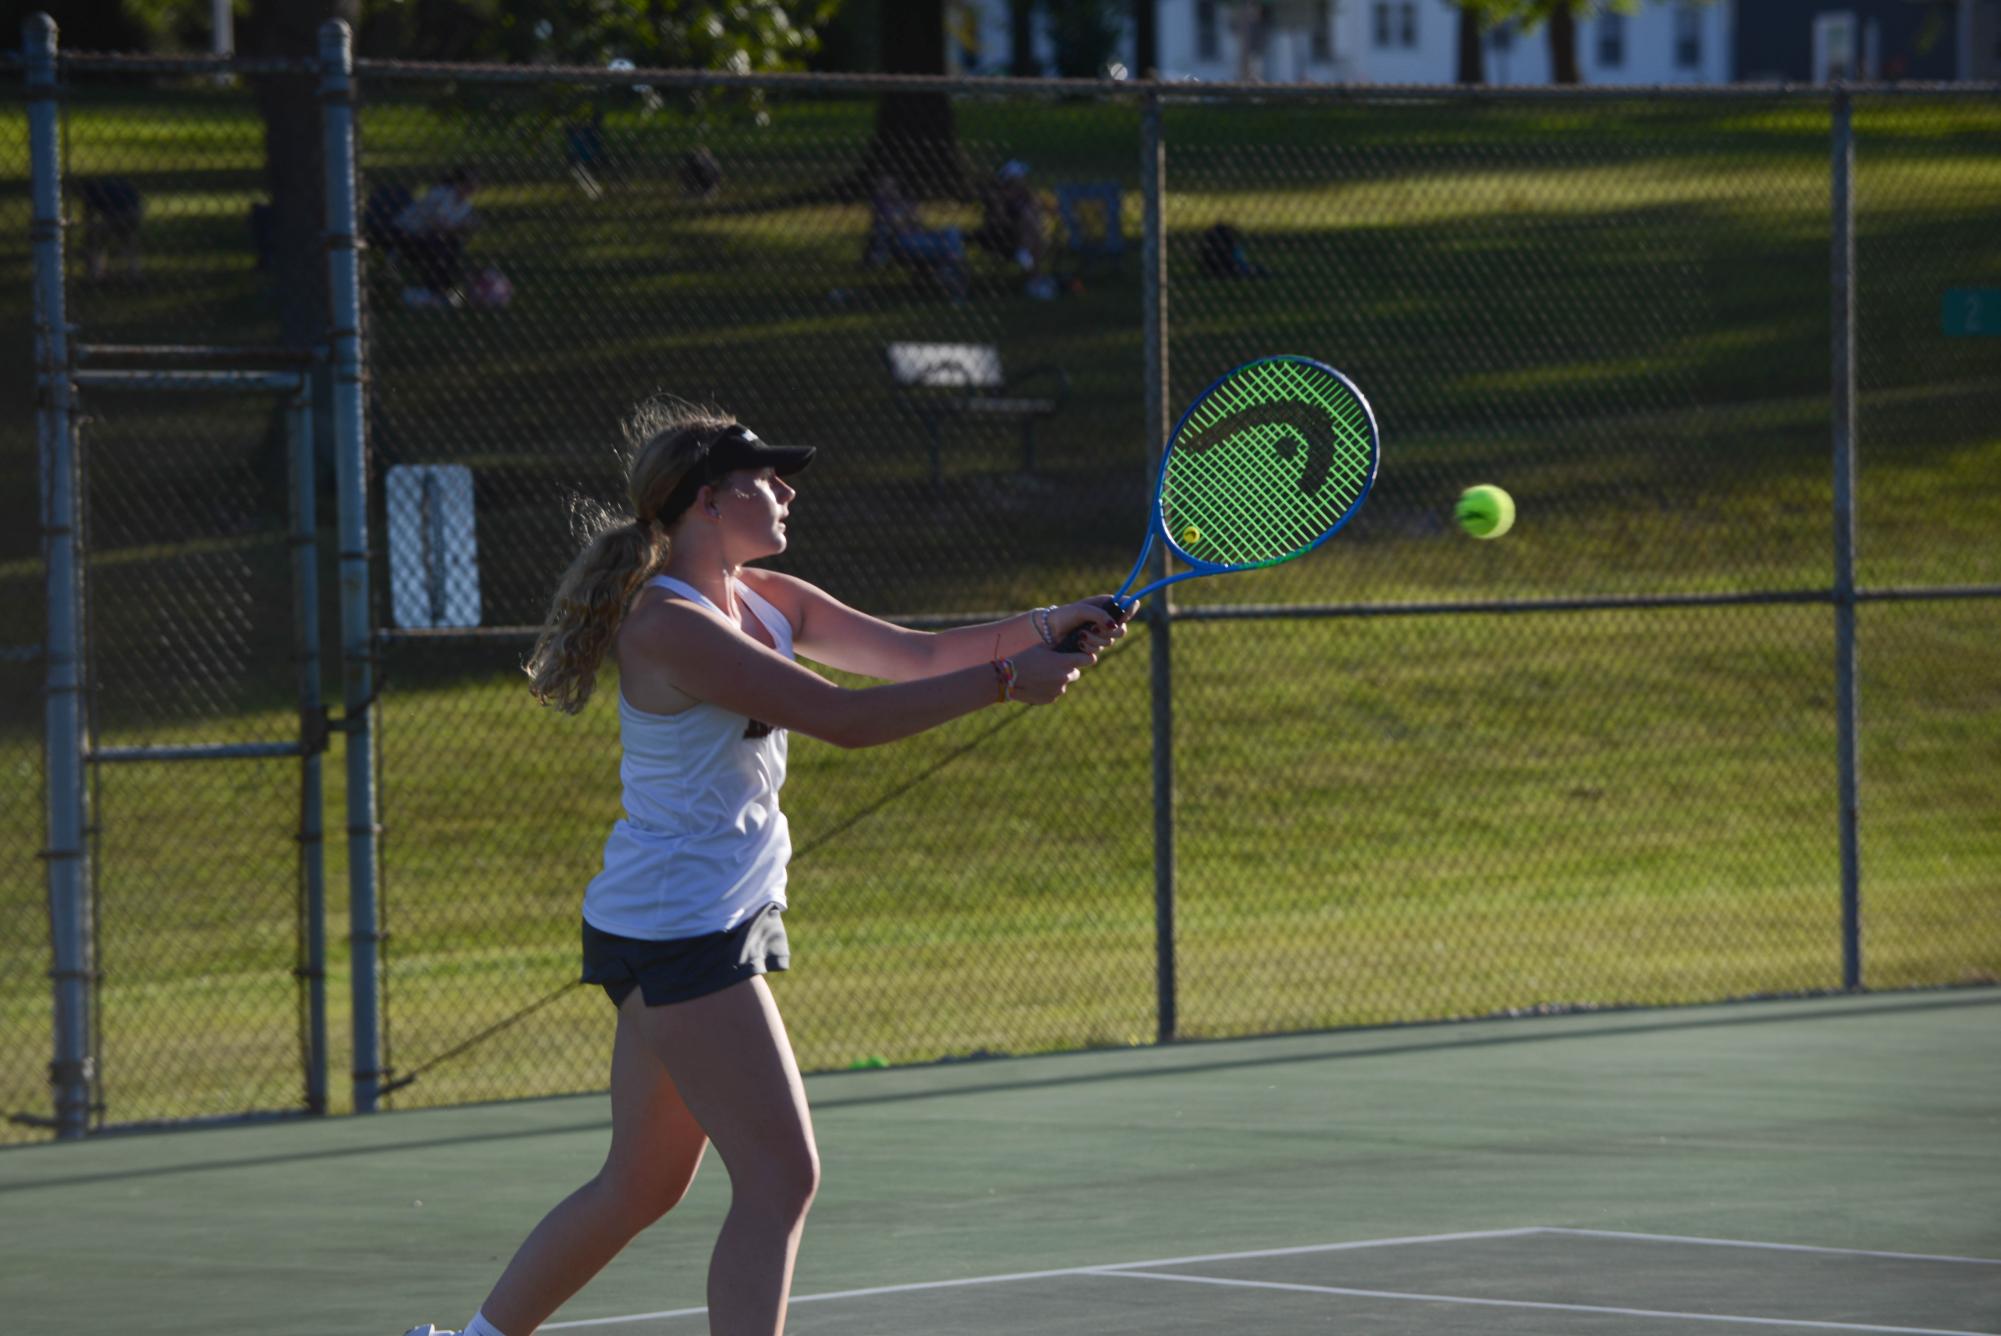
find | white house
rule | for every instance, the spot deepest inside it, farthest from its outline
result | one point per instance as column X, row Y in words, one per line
column 1395, row 42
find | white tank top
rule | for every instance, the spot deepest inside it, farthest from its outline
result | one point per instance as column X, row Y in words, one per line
column 702, row 846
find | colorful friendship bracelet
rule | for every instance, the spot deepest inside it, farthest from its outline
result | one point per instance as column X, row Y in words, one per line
column 1004, row 670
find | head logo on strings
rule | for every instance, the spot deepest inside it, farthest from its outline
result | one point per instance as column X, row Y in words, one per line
column 1301, row 426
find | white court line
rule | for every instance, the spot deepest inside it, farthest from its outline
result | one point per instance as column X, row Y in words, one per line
column 1100, row 1269
column 1525, row 1303
column 1773, row 1247
column 1132, row 1268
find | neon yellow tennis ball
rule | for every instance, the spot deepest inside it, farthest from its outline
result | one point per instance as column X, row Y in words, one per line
column 1485, row 511
column 1190, row 536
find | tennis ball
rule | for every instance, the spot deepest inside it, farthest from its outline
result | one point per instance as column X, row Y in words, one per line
column 1485, row 511
column 1190, row 536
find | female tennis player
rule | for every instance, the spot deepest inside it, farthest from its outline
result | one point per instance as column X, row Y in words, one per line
column 684, row 920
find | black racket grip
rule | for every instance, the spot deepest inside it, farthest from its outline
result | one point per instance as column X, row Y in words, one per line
column 1074, row 642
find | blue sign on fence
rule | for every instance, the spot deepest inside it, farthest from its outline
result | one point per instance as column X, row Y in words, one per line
column 1971, row 311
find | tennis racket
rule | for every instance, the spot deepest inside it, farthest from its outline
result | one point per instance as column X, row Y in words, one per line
column 1265, row 466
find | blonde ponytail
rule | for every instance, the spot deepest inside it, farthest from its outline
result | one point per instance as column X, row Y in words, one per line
column 589, row 604
column 620, row 554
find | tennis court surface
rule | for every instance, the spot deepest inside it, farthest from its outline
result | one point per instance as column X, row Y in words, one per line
column 1825, row 1165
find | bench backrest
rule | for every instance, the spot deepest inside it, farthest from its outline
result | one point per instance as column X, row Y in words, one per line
column 945, row 365
column 1090, row 213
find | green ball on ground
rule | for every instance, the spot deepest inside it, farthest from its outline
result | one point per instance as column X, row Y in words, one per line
column 1485, row 511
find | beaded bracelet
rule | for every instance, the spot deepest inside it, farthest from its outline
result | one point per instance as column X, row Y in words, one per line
column 1004, row 670
column 1039, row 618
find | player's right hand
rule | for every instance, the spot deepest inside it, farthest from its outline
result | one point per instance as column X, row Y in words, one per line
column 1041, row 674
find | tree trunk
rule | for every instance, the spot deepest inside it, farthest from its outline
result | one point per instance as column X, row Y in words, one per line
column 916, row 138
column 1022, row 61
column 1563, row 45
column 1146, row 39
column 293, row 153
column 1472, row 68
column 294, row 173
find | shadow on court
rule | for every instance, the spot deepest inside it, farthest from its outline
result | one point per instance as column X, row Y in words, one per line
column 1823, row 1165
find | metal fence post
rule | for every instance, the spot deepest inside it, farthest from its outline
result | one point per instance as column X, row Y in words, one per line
column 1153, row 315
column 357, row 637
column 71, row 1070
column 1848, row 742
column 312, row 739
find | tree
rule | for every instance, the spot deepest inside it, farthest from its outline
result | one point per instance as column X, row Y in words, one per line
column 1022, row 62
column 741, row 36
column 737, row 36
column 1472, row 29
column 1085, row 35
column 916, row 136
column 1563, row 42
column 295, row 177
column 1146, row 39
column 293, row 150
column 1558, row 16
column 81, row 27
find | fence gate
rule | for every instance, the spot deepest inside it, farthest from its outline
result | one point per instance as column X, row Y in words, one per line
column 194, row 617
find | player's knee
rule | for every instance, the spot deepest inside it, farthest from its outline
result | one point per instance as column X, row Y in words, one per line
column 786, row 1180
column 800, row 1176
column 663, row 1195
column 810, row 1180
column 645, row 1192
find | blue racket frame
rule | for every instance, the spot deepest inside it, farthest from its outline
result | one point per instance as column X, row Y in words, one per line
column 1157, row 524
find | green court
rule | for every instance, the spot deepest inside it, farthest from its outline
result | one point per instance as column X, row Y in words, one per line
column 1818, row 1165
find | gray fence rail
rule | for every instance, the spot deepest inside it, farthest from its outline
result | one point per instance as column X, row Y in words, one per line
column 1719, row 719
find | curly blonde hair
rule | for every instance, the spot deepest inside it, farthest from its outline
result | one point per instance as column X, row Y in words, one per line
column 621, row 551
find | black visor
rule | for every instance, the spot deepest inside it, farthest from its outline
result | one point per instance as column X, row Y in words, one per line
column 735, row 447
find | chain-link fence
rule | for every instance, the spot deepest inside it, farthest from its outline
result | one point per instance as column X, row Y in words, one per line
column 1596, row 763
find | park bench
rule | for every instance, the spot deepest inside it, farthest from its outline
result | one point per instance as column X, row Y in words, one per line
column 944, row 383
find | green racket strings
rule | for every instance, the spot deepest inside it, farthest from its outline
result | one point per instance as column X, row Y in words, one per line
column 1258, row 496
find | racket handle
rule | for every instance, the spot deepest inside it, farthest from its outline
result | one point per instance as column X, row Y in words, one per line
column 1074, row 642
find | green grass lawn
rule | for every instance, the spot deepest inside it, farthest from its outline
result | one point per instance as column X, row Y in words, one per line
column 1619, row 312
column 1384, row 821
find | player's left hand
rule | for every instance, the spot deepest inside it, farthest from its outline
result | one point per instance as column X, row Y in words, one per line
column 1102, row 626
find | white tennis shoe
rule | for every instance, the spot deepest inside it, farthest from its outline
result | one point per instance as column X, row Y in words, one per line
column 428, row 1330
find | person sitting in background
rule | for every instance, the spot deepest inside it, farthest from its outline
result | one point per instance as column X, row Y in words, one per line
column 112, row 208
column 432, row 236
column 1015, row 226
column 701, row 173
column 896, row 234
column 1223, row 255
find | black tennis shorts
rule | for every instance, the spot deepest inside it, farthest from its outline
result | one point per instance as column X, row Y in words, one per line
column 683, row 968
